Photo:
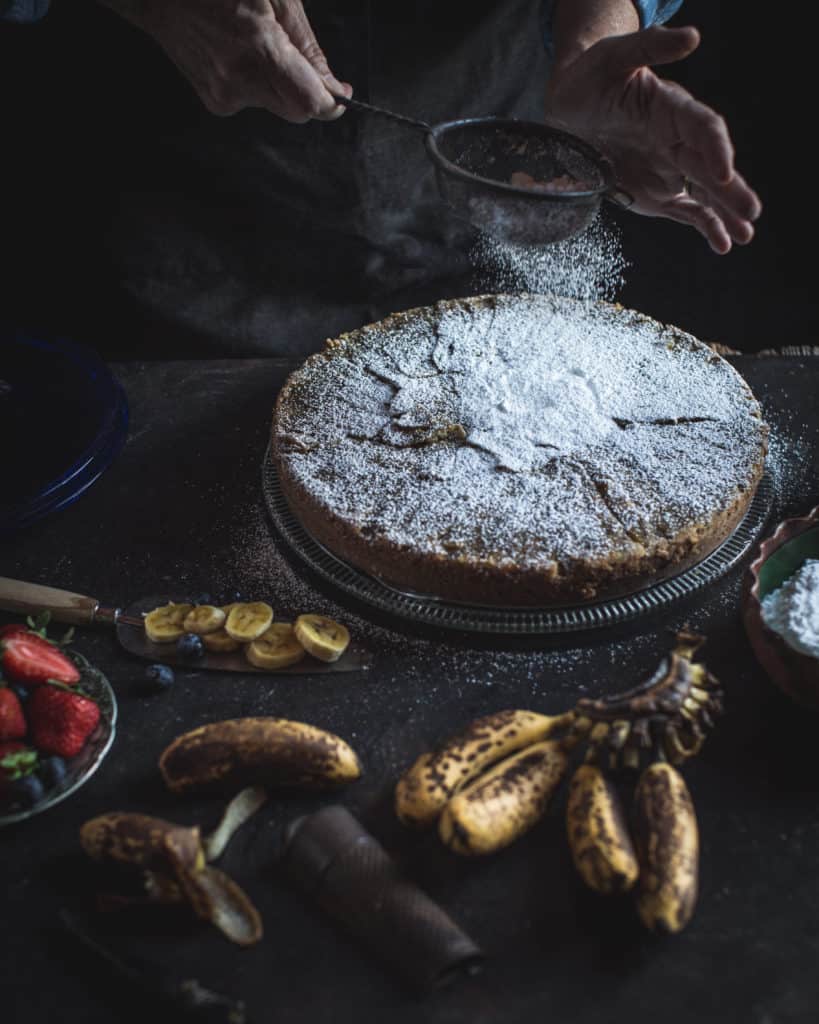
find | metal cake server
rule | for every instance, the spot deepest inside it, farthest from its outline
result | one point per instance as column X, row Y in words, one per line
column 79, row 610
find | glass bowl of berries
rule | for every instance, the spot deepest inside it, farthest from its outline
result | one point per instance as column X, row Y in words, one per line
column 57, row 719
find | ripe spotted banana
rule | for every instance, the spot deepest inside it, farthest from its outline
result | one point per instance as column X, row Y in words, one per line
column 324, row 638
column 423, row 790
column 277, row 647
column 257, row 752
column 166, row 624
column 667, row 848
column 601, row 846
column 245, row 622
column 505, row 802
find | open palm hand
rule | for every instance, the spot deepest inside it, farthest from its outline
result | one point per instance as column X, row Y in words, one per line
column 670, row 152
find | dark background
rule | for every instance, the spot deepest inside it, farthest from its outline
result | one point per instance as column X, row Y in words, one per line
column 73, row 87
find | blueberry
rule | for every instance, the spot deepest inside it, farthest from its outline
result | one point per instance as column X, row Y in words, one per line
column 26, row 791
column 202, row 599
column 190, row 646
column 159, row 677
column 236, row 597
column 52, row 771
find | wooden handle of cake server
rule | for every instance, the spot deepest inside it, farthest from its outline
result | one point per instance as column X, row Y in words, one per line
column 31, row 598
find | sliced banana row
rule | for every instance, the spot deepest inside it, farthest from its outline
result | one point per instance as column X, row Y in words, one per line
column 249, row 625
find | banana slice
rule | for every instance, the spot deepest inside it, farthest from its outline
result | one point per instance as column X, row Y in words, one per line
column 245, row 622
column 166, row 624
column 203, row 619
column 324, row 638
column 220, row 642
column 277, row 647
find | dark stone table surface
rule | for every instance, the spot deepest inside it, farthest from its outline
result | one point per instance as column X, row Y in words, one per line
column 181, row 509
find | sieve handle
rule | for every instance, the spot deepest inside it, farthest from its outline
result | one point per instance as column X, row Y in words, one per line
column 368, row 108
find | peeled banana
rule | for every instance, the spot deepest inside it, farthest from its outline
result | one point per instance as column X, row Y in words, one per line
column 277, row 647
column 257, row 752
column 601, row 846
column 203, row 619
column 166, row 624
column 505, row 802
column 173, row 868
column 246, row 622
column 424, row 789
column 324, row 638
column 667, row 843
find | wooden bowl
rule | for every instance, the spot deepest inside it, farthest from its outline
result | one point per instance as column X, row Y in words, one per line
column 793, row 542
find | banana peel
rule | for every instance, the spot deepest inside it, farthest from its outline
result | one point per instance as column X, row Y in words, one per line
column 174, row 868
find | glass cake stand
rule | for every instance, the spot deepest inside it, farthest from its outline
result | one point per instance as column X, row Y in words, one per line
column 434, row 611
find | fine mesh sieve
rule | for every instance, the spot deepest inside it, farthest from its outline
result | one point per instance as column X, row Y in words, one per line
column 475, row 159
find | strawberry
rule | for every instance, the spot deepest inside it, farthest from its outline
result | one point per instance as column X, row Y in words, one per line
column 28, row 658
column 12, row 629
column 12, row 719
column 60, row 720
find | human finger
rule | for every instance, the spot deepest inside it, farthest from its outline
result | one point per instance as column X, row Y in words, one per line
column 740, row 229
column 293, row 19
column 695, row 125
column 289, row 85
column 735, row 198
column 685, row 209
column 648, row 47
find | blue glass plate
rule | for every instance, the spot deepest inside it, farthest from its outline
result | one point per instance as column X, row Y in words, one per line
column 63, row 420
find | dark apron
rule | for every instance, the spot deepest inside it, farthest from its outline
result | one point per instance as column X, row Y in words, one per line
column 248, row 235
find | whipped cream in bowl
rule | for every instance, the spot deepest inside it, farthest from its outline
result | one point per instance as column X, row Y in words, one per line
column 792, row 610
column 780, row 607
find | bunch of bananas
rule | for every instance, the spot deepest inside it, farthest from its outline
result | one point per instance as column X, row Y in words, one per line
column 493, row 781
column 249, row 625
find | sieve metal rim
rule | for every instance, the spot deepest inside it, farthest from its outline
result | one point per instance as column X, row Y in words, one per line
column 543, row 130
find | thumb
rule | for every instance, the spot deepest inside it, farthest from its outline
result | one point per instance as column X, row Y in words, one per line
column 650, row 46
column 294, row 21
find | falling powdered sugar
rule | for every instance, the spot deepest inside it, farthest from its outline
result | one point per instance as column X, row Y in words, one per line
column 588, row 266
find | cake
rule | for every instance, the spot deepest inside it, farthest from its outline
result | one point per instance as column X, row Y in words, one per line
column 518, row 450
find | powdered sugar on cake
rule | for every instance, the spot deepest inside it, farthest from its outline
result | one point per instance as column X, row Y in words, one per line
column 522, row 428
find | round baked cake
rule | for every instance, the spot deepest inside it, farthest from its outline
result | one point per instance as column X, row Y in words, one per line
column 525, row 450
